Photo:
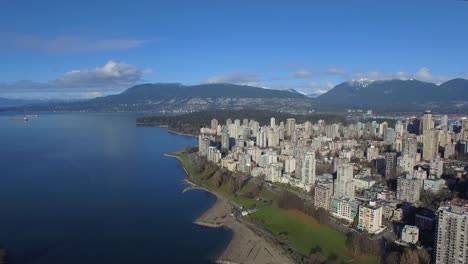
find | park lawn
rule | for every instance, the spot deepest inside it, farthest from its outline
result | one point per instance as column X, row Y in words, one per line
column 367, row 260
column 288, row 187
column 303, row 232
column 248, row 187
column 265, row 194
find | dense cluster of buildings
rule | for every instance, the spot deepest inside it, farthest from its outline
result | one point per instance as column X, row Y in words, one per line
column 371, row 173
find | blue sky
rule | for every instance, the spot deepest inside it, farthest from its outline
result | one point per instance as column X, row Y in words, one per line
column 83, row 49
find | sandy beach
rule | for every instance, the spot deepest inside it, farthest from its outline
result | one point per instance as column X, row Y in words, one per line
column 246, row 246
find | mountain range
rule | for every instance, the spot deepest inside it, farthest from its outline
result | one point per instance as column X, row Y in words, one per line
column 4, row 102
column 174, row 97
column 387, row 95
column 401, row 95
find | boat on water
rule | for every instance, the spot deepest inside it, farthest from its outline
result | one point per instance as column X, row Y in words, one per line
column 17, row 119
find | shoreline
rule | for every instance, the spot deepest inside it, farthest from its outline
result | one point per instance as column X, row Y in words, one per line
column 168, row 130
column 246, row 245
column 181, row 134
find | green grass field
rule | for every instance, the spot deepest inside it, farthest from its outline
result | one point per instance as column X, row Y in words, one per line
column 303, row 231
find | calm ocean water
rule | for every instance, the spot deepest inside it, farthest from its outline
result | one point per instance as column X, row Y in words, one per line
column 95, row 188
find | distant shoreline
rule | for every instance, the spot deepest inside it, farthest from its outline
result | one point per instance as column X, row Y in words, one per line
column 168, row 130
column 181, row 134
column 244, row 239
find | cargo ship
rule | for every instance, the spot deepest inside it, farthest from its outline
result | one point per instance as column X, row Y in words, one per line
column 17, row 119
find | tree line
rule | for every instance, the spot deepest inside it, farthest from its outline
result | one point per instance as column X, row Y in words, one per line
column 192, row 122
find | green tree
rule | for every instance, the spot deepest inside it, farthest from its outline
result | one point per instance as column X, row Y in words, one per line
column 393, row 258
column 409, row 257
column 424, row 256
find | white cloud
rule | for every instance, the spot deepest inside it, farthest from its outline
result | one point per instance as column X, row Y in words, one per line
column 110, row 73
column 235, row 78
column 316, row 88
column 110, row 78
column 423, row 74
column 147, row 71
column 90, row 95
column 310, row 88
column 67, row 44
column 310, row 73
column 321, row 87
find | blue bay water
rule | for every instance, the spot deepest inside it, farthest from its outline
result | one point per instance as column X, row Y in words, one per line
column 95, row 188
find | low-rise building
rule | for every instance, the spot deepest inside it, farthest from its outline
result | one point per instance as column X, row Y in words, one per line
column 425, row 220
column 344, row 208
column 390, row 211
column 232, row 166
column 363, row 183
column 370, row 217
column 410, row 234
column 434, row 184
column 323, row 193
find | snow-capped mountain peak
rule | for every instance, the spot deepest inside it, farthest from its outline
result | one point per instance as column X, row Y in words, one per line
column 360, row 83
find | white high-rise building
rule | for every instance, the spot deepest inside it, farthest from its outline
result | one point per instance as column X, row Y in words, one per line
column 430, row 144
column 323, row 193
column 389, row 136
column 203, row 144
column 406, row 163
column 449, row 150
column 213, row 155
column 272, row 122
column 427, row 121
column 409, row 146
column 409, row 188
column 452, row 235
column 267, row 158
column 290, row 126
column 273, row 172
column 332, row 131
column 289, row 164
column 444, row 138
column 234, row 130
column 255, row 153
column 306, row 167
column 372, row 153
column 436, row 167
column 399, row 128
column 255, row 126
column 225, row 140
column 273, row 138
column 444, row 121
column 344, row 185
column 214, row 124
column 262, row 138
column 382, row 127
